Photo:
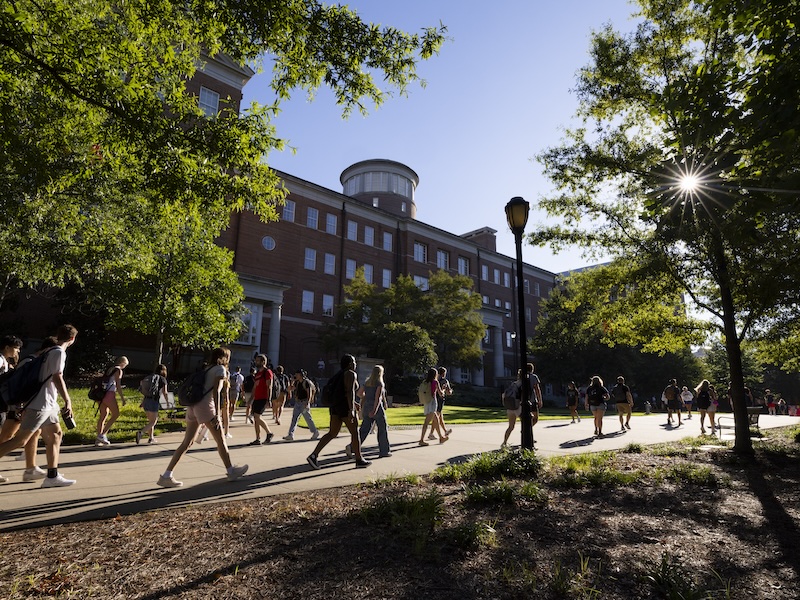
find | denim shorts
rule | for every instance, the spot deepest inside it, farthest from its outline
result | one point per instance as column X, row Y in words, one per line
column 598, row 407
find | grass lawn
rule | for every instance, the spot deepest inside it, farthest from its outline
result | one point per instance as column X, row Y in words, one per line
column 132, row 417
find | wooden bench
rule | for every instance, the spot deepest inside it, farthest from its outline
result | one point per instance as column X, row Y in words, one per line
column 753, row 413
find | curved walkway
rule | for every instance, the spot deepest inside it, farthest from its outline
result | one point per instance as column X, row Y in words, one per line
column 121, row 479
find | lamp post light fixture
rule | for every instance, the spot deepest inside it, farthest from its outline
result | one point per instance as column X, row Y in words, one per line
column 517, row 211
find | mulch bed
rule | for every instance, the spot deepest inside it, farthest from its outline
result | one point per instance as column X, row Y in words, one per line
column 736, row 539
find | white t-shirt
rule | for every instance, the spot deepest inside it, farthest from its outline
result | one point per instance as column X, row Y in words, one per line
column 47, row 398
column 211, row 382
column 3, row 364
column 687, row 396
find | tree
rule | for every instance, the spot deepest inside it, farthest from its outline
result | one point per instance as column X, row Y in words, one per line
column 580, row 334
column 662, row 174
column 100, row 133
column 447, row 313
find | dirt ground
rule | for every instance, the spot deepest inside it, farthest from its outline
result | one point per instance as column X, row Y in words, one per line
column 715, row 526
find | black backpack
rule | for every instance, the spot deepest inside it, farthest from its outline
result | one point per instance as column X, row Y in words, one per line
column 19, row 386
column 333, row 391
column 192, row 389
column 249, row 383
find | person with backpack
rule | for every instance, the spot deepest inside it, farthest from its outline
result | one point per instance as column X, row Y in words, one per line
column 280, row 391
column 341, row 399
column 262, row 394
column 42, row 412
column 596, row 400
column 427, row 391
column 206, row 412
column 153, row 388
column 511, row 400
column 672, row 396
column 373, row 412
column 236, row 387
column 621, row 395
column 304, row 392
column 109, row 408
column 247, row 388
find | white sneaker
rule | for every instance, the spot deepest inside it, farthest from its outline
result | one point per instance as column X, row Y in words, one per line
column 315, row 435
column 101, row 440
column 3, row 478
column 58, row 481
column 34, row 474
column 169, row 482
column 236, row 472
column 231, row 419
column 229, row 435
column 349, row 451
column 289, row 438
column 431, row 437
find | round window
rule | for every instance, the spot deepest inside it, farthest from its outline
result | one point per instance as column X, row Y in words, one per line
column 268, row 242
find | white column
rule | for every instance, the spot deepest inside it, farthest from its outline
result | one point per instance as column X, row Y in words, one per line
column 274, row 339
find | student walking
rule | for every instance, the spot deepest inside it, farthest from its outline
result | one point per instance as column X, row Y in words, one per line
column 262, row 394
column 109, row 408
column 621, row 394
column 672, row 396
column 444, row 390
column 596, row 401
column 343, row 411
column 513, row 391
column 687, row 398
column 428, row 390
column 154, row 388
column 704, row 403
column 373, row 396
column 304, row 392
column 43, row 412
column 572, row 401
column 206, row 412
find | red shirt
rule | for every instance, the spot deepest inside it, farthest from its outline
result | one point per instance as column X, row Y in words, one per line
column 263, row 388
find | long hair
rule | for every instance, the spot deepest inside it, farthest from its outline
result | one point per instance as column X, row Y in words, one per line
column 220, row 356
column 375, row 378
column 432, row 373
column 703, row 386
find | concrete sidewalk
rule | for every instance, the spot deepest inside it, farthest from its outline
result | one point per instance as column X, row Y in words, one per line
column 121, row 479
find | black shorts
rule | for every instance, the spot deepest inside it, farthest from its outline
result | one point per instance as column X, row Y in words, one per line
column 339, row 410
column 259, row 406
column 439, row 403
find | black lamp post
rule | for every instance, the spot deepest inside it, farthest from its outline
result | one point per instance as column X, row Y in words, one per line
column 517, row 216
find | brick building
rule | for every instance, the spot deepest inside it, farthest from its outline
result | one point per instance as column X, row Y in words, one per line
column 293, row 271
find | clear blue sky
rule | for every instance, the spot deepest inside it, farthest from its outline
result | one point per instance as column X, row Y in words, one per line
column 497, row 94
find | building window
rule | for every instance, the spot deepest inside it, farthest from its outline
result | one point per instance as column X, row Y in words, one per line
column 421, row 282
column 497, row 276
column 268, row 242
column 466, row 376
column 509, row 340
column 312, row 218
column 528, row 314
column 331, row 221
column 508, row 305
column 420, row 252
column 507, row 279
column 327, row 305
column 387, row 241
column 208, row 102
column 486, row 336
column 368, row 273
column 535, row 288
column 308, row 302
column 403, row 207
column 310, row 262
column 288, row 211
column 463, row 265
column 376, row 202
column 350, row 268
column 527, row 286
column 485, row 272
column 352, row 230
column 369, row 235
column 330, row 264
column 498, row 303
column 485, row 300
column 443, row 259
column 251, row 324
column 387, row 278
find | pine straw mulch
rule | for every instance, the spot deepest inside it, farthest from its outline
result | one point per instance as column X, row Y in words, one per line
column 736, row 538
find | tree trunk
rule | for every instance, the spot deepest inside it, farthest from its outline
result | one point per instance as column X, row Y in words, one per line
column 733, row 347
